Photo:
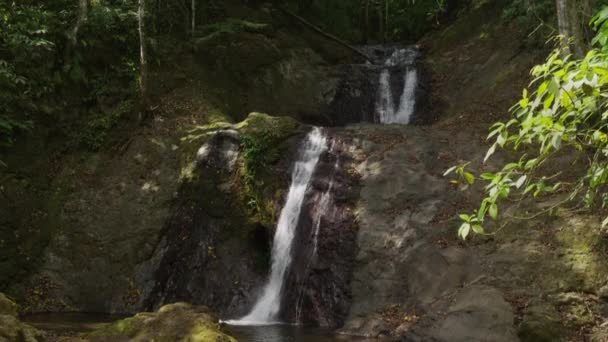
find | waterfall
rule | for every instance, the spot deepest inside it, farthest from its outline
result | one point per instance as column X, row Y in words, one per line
column 266, row 309
column 385, row 105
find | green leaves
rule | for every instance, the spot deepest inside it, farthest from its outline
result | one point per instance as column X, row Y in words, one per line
column 564, row 109
column 463, row 177
column 469, row 223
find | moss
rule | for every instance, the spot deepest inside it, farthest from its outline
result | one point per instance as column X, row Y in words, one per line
column 174, row 322
column 263, row 142
column 126, row 327
column 203, row 333
column 541, row 323
column 580, row 244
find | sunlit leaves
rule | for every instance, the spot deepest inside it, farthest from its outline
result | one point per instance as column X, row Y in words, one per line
column 565, row 106
column 464, row 177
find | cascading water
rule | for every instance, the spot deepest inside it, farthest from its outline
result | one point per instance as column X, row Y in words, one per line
column 385, row 104
column 266, row 309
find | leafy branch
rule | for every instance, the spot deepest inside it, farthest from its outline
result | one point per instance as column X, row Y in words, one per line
column 564, row 110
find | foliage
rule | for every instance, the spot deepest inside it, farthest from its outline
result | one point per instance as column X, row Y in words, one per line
column 565, row 112
column 41, row 77
column 410, row 19
column 529, row 12
column 25, row 57
column 96, row 130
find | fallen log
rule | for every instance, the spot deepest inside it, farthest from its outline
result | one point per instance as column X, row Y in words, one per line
column 325, row 34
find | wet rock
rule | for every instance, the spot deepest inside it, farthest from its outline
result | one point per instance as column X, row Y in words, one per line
column 174, row 322
column 318, row 285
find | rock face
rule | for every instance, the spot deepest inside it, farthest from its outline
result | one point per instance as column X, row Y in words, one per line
column 174, row 322
column 215, row 248
column 403, row 277
column 273, row 72
column 209, row 250
column 111, row 212
column 11, row 329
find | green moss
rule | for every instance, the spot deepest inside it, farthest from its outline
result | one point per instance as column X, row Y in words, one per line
column 174, row 322
column 580, row 245
column 263, row 142
column 205, row 333
column 126, row 327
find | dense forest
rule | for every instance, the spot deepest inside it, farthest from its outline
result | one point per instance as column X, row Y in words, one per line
column 303, row 170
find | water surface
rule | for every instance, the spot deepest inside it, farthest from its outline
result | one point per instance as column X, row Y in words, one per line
column 286, row 333
column 69, row 324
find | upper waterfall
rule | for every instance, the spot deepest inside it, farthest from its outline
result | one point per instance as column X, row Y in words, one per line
column 267, row 307
column 387, row 111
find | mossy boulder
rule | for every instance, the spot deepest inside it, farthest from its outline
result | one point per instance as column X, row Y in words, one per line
column 265, row 140
column 13, row 330
column 171, row 323
column 7, row 306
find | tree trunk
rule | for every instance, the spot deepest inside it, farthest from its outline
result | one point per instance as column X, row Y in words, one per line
column 325, row 34
column 366, row 21
column 572, row 18
column 183, row 9
column 386, row 23
column 193, row 17
column 81, row 18
column 381, row 21
column 143, row 55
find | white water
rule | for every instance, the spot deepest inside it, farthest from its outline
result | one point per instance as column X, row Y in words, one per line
column 385, row 105
column 266, row 309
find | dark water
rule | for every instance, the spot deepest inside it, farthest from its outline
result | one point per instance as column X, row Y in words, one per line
column 286, row 333
column 70, row 323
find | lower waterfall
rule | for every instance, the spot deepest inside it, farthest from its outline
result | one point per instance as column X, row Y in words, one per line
column 267, row 307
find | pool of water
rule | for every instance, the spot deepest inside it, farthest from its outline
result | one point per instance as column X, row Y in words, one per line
column 70, row 323
column 286, row 333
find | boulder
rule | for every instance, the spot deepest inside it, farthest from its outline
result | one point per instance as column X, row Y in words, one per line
column 7, row 306
column 171, row 323
column 13, row 330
